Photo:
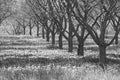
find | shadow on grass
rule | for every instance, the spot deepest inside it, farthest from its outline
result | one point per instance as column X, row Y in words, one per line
column 9, row 37
column 23, row 60
column 16, row 55
column 114, row 55
column 52, row 47
column 17, row 48
column 95, row 48
column 18, row 43
column 91, row 47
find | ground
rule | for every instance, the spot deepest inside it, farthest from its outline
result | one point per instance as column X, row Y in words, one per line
column 32, row 58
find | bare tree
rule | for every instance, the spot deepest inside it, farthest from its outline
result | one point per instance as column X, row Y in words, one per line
column 16, row 28
column 89, row 15
column 6, row 9
column 101, row 17
column 23, row 23
column 31, row 25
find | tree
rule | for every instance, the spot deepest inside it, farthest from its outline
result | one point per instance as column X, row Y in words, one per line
column 15, row 30
column 23, row 22
column 101, row 16
column 6, row 9
column 31, row 24
column 40, row 15
column 76, row 7
column 60, row 20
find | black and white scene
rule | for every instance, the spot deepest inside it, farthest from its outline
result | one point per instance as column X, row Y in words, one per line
column 59, row 39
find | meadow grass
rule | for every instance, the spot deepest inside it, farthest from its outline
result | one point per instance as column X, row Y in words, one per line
column 52, row 72
column 74, row 67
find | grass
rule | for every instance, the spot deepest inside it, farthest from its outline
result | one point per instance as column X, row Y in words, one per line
column 52, row 72
column 28, row 58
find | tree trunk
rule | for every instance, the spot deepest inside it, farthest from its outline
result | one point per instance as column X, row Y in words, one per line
column 116, row 40
column 70, row 41
column 30, row 31
column 60, row 41
column 37, row 31
column 53, row 38
column 102, row 55
column 80, row 51
column 43, row 33
column 24, row 31
column 47, row 35
column 70, row 38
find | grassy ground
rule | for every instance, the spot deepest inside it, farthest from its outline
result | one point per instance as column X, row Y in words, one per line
column 30, row 58
column 52, row 72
